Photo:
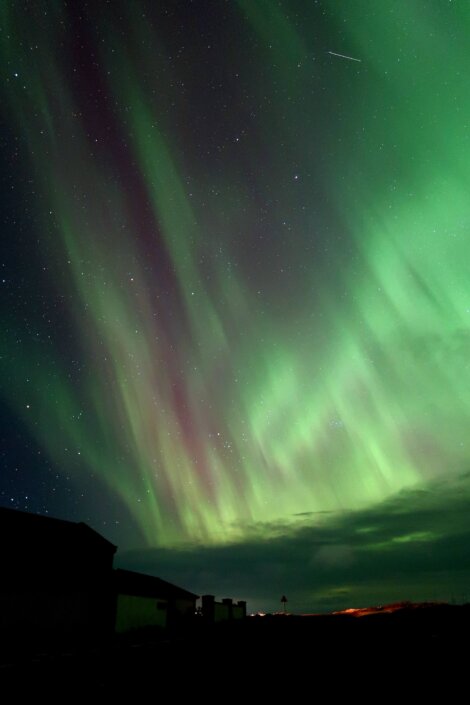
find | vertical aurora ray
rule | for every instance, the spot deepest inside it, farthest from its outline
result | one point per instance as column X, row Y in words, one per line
column 256, row 340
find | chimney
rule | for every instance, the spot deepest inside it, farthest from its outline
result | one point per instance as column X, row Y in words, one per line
column 227, row 601
column 242, row 604
column 208, row 608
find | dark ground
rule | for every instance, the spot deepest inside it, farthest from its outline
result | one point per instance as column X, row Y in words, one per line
column 277, row 656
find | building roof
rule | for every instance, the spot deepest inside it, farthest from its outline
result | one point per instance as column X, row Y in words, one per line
column 128, row 582
column 24, row 530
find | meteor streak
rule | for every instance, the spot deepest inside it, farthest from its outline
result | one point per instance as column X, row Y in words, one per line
column 343, row 56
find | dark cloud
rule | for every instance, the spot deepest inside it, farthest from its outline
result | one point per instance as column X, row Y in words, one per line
column 413, row 546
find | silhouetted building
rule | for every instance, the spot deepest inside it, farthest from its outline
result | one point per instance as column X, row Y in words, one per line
column 56, row 579
column 223, row 611
column 58, row 586
column 148, row 601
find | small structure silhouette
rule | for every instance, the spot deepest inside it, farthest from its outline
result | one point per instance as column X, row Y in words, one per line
column 226, row 610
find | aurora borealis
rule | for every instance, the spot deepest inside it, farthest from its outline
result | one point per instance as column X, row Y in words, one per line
column 236, row 266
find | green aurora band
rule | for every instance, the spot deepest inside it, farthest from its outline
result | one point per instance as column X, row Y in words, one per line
column 249, row 392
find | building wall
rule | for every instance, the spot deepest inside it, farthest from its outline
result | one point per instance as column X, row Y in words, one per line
column 221, row 612
column 43, row 610
column 238, row 612
column 213, row 611
column 39, row 616
column 185, row 607
column 134, row 612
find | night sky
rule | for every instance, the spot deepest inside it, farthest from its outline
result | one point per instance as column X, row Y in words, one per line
column 235, row 289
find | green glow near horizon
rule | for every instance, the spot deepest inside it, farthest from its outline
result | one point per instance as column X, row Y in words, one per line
column 251, row 405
